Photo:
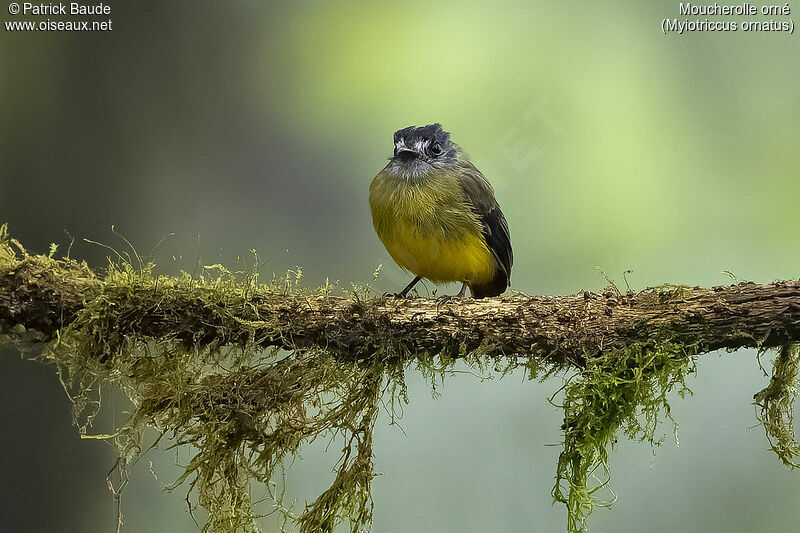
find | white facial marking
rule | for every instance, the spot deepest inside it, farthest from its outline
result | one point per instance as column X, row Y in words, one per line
column 419, row 145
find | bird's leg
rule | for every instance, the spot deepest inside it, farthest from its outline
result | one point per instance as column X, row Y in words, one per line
column 462, row 292
column 404, row 292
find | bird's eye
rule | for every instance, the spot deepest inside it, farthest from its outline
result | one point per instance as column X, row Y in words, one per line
column 436, row 148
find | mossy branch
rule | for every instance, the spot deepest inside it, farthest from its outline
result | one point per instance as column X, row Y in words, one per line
column 44, row 295
column 199, row 357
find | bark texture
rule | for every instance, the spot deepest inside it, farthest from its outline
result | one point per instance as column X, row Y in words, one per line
column 45, row 295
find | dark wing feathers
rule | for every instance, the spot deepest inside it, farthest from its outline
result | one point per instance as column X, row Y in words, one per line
column 495, row 231
column 480, row 194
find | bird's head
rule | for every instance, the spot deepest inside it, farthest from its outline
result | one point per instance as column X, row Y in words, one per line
column 418, row 150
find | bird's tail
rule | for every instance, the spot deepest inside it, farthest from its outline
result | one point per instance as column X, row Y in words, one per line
column 494, row 287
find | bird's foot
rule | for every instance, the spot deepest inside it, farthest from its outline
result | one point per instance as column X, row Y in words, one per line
column 449, row 300
column 404, row 292
column 395, row 296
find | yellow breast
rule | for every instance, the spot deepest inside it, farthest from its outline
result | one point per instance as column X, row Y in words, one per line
column 429, row 229
column 465, row 260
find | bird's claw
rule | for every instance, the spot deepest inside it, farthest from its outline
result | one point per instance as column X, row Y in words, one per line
column 448, row 299
column 394, row 296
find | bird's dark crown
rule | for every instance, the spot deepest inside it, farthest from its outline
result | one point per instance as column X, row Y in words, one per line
column 425, row 143
column 430, row 133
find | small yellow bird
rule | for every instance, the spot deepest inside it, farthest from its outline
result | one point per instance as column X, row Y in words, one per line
column 437, row 216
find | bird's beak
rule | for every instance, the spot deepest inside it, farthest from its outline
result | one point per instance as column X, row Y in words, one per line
column 406, row 154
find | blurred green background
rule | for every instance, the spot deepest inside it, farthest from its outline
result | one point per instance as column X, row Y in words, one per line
column 242, row 125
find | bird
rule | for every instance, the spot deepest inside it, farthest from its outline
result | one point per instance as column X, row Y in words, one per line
column 437, row 216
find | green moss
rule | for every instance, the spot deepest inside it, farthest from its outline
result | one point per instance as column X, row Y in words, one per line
column 244, row 411
column 776, row 404
column 656, row 296
column 623, row 390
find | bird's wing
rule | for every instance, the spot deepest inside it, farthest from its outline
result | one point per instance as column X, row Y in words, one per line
column 480, row 194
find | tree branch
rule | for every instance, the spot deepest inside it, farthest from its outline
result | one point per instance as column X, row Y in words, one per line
column 41, row 294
